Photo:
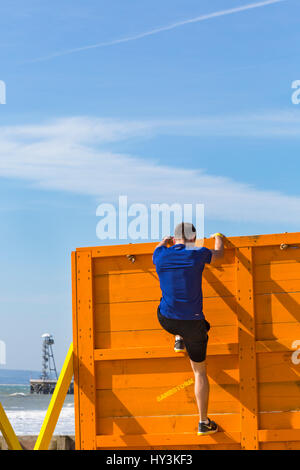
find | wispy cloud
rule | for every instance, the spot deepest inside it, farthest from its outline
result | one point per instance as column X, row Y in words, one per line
column 69, row 155
column 161, row 29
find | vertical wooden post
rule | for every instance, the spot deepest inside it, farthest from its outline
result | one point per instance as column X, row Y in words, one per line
column 85, row 351
column 75, row 352
column 247, row 351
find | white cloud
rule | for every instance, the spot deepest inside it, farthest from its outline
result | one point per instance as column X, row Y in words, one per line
column 67, row 155
column 161, row 29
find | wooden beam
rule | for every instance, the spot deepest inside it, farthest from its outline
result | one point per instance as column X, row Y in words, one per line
column 247, row 349
column 86, row 365
column 144, row 440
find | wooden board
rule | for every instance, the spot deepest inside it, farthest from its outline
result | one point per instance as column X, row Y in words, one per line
column 124, row 363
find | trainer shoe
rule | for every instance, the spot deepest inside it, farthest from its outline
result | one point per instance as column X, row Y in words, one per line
column 210, row 428
column 179, row 345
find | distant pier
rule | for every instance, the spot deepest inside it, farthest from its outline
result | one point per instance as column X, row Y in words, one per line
column 46, row 387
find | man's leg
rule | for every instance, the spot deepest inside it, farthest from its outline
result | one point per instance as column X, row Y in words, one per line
column 201, row 388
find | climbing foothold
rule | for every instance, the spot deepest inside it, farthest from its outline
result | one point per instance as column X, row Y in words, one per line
column 284, row 246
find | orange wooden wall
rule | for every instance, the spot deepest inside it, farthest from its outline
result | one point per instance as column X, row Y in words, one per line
column 124, row 361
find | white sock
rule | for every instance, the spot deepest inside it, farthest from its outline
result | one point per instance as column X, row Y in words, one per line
column 206, row 421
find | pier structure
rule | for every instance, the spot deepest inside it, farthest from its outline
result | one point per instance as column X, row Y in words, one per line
column 47, row 382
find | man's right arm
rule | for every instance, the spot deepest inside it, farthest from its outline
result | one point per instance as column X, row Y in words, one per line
column 218, row 252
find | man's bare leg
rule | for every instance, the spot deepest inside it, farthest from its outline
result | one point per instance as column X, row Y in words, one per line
column 201, row 388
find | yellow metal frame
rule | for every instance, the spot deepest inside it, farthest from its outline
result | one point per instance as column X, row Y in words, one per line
column 52, row 414
column 8, row 432
column 56, row 403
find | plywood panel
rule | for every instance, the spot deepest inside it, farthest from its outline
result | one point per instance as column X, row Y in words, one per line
column 143, row 315
column 144, row 402
column 163, row 424
column 133, row 374
column 274, row 255
column 145, row 287
column 126, row 363
column 277, row 286
column 119, row 339
column 277, row 367
column 268, row 331
column 280, row 308
column 144, row 263
column 279, row 396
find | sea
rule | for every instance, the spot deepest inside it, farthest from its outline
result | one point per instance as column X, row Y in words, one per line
column 26, row 411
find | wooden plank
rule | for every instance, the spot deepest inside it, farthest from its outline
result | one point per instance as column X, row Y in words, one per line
column 277, row 367
column 280, row 344
column 212, row 273
column 287, row 445
column 277, row 287
column 282, row 307
column 268, row 331
column 163, row 424
column 179, row 448
column 167, row 439
column 75, row 351
column 274, row 255
column 279, row 396
column 157, row 352
column 143, row 263
column 277, row 272
column 278, row 435
column 145, row 287
column 133, row 374
column 280, row 420
column 158, row 337
column 143, row 315
column 86, row 375
column 247, row 348
column 149, row 401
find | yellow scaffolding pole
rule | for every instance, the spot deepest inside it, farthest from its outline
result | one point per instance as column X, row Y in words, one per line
column 56, row 403
column 8, row 432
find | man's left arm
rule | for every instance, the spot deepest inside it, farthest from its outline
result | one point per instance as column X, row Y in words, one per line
column 218, row 252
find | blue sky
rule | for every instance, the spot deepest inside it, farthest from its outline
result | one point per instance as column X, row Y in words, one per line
column 193, row 112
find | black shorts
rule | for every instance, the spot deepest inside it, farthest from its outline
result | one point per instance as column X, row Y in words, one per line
column 193, row 332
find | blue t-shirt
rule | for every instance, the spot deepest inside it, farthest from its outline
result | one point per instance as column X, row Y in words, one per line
column 180, row 275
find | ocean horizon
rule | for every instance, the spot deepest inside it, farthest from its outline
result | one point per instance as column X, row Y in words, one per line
column 26, row 411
